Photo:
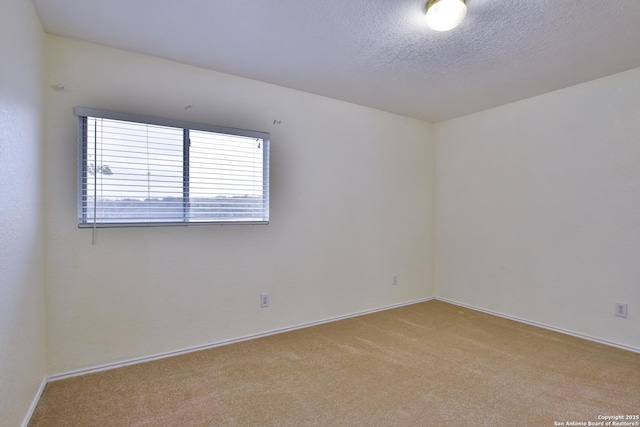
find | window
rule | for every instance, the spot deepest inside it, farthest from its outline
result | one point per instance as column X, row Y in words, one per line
column 135, row 170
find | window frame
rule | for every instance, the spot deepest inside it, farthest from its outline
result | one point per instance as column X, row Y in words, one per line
column 84, row 221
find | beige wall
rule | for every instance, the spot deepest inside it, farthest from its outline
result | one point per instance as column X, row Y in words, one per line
column 351, row 205
column 538, row 208
column 22, row 325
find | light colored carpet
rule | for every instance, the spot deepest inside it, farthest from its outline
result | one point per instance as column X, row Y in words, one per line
column 428, row 364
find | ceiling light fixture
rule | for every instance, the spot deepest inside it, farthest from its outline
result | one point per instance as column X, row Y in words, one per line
column 445, row 15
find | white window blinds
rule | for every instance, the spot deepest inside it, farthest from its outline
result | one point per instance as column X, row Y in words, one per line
column 137, row 170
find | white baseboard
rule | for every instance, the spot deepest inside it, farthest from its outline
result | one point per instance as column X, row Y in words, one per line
column 109, row 366
column 34, row 403
column 134, row 361
column 541, row 325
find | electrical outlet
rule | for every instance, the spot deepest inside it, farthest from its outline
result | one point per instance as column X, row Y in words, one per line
column 395, row 280
column 621, row 309
column 264, row 300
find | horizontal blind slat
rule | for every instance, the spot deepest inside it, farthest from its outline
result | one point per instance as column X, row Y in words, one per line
column 135, row 172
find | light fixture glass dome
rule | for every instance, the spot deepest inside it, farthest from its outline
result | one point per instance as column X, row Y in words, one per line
column 445, row 15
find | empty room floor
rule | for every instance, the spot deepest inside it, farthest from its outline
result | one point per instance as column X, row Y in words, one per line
column 430, row 363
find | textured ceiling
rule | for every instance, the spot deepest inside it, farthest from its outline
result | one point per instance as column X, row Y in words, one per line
column 377, row 53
